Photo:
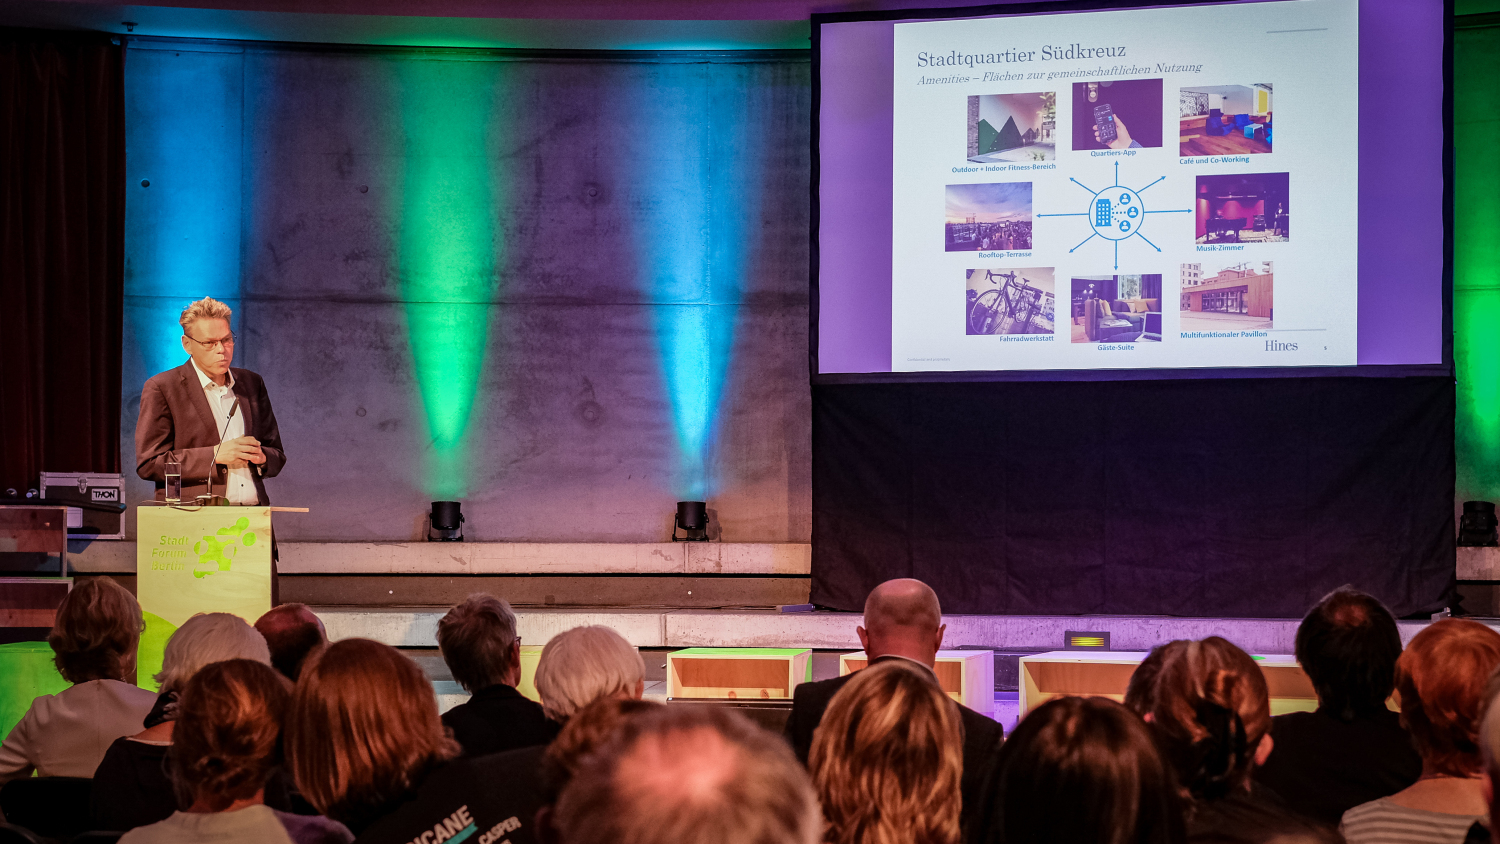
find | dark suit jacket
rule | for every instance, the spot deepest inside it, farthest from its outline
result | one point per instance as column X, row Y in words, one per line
column 175, row 417
column 982, row 735
column 499, row 718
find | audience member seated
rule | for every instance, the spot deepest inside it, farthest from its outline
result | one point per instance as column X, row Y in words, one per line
column 1489, row 752
column 1212, row 718
column 1140, row 691
column 589, row 729
column 581, row 665
column 479, row 643
column 1441, row 680
column 1352, row 749
column 366, row 747
column 888, row 757
column 902, row 621
column 224, row 749
column 93, row 641
column 1081, row 769
column 131, row 788
column 689, row 775
column 292, row 632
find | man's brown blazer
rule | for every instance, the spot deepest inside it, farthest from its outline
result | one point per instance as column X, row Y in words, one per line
column 175, row 417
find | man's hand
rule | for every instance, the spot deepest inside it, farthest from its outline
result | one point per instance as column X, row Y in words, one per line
column 240, row 452
column 1122, row 135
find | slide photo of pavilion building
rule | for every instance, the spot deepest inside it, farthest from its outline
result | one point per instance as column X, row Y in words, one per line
column 1012, row 127
column 1226, row 297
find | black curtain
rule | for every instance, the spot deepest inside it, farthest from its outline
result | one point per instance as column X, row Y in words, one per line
column 1230, row 497
column 62, row 227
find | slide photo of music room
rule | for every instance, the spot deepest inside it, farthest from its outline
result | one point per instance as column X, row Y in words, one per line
column 1226, row 296
column 1012, row 127
column 1011, row 301
column 992, row 216
column 1224, row 120
column 1244, row 208
column 1131, row 107
column 1117, row 309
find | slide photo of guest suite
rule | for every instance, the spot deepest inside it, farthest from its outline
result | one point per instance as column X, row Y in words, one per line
column 1226, row 296
column 1117, row 309
column 1220, row 120
column 1011, row 301
column 1012, row 127
column 990, row 216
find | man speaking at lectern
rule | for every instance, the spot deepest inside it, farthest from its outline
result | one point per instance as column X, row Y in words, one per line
column 214, row 420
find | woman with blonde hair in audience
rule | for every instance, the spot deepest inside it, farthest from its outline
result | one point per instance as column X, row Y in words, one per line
column 887, row 757
column 1441, row 681
column 131, row 788
column 1211, row 713
column 366, row 747
column 224, row 749
column 93, row 639
column 582, row 665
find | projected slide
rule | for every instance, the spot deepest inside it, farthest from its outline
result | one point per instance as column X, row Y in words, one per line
column 1118, row 189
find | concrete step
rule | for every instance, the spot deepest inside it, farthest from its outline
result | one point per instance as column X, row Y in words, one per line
column 416, row 627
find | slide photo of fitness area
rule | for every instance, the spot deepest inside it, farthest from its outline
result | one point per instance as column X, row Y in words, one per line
column 992, row 216
column 1245, row 208
column 1226, row 296
column 1117, row 309
column 1011, row 301
column 1012, row 127
column 1123, row 114
column 1225, row 120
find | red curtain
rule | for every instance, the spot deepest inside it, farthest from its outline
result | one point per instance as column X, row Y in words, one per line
column 62, row 230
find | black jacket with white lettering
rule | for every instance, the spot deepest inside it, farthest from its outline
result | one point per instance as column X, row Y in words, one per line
column 481, row 800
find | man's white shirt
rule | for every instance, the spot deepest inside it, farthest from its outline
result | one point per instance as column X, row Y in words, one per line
column 240, row 487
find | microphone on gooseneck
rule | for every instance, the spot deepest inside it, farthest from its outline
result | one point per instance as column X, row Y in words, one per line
column 208, row 481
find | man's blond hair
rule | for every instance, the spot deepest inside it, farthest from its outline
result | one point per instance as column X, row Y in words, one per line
column 206, row 308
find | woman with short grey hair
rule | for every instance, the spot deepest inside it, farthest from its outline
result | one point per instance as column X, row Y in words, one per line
column 582, row 665
column 131, row 788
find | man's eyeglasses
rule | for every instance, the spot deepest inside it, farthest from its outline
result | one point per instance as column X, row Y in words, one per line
column 227, row 341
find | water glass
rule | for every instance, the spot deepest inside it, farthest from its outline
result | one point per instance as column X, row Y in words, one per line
column 174, row 481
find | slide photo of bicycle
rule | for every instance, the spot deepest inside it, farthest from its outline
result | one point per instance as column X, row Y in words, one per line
column 1011, row 301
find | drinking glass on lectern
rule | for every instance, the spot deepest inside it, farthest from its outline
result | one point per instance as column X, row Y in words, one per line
column 174, row 481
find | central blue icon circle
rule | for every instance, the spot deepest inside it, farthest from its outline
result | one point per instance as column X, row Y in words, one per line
column 1111, row 211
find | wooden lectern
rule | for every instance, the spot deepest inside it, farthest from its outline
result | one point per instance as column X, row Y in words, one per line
column 192, row 560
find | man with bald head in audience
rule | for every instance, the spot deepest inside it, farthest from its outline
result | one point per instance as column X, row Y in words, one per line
column 687, row 775
column 292, row 632
column 902, row 621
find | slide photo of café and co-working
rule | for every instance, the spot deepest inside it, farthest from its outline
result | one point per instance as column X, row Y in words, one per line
column 1226, row 296
column 1225, row 120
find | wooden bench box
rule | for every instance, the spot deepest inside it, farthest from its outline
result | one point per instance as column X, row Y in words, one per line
column 737, row 673
column 967, row 676
column 1057, row 673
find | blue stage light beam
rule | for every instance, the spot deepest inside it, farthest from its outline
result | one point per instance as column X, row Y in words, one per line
column 698, row 192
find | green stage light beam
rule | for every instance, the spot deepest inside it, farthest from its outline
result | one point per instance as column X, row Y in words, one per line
column 1476, row 259
column 447, row 252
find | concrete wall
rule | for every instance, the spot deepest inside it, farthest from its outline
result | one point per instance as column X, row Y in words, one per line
column 627, row 190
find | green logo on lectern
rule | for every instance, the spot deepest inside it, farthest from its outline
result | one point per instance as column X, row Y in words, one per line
column 215, row 553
